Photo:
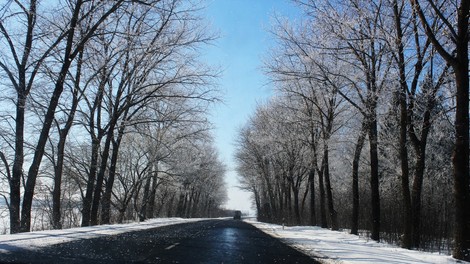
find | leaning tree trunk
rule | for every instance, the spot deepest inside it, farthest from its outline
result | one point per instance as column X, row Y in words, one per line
column 38, row 154
column 63, row 133
column 41, row 144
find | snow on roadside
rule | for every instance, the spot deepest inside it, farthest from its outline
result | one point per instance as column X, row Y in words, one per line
column 340, row 247
column 50, row 237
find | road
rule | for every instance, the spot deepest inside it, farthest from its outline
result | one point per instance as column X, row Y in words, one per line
column 211, row 241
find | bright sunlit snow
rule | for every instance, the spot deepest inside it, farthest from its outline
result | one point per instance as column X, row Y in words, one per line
column 325, row 245
column 341, row 247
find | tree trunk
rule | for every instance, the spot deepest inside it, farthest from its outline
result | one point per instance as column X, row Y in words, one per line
column 355, row 179
column 17, row 172
column 153, row 193
column 143, row 206
column 270, row 188
column 180, row 207
column 374, row 177
column 304, row 198
column 196, row 206
column 416, row 196
column 22, row 93
column 38, row 154
column 95, row 147
column 188, row 203
column 63, row 133
column 295, row 191
column 257, row 201
column 460, row 155
column 420, row 166
column 311, row 180
column 170, row 206
column 329, row 193
column 405, row 181
column 121, row 216
column 288, row 204
column 460, row 161
column 86, row 210
column 69, row 56
column 106, row 201
column 57, row 190
column 100, row 178
column 403, row 142
column 323, row 221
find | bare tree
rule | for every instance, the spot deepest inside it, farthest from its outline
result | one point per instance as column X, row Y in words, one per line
column 21, row 68
column 64, row 38
column 275, row 162
column 149, row 54
column 452, row 45
column 354, row 26
column 417, row 100
column 302, row 70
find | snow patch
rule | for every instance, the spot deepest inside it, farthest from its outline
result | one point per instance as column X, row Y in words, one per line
column 329, row 246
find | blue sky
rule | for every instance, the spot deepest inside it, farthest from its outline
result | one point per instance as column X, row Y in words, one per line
column 244, row 41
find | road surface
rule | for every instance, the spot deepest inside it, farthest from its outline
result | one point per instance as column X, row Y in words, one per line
column 211, row 241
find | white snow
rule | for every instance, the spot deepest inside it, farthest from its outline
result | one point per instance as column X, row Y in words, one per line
column 340, row 247
column 325, row 245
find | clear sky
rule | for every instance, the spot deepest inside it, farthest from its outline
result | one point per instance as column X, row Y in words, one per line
column 244, row 40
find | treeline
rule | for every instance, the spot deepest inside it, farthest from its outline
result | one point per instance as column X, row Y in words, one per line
column 368, row 127
column 104, row 112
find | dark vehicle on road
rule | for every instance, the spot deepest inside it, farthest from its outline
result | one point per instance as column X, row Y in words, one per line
column 238, row 215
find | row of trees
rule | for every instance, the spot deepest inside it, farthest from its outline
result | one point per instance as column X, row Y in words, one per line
column 392, row 73
column 104, row 106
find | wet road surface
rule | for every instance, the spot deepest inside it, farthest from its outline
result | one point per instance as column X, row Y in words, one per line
column 211, row 241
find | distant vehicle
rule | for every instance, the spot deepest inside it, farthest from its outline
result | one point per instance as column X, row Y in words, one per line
column 238, row 215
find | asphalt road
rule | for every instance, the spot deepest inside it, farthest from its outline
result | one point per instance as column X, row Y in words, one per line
column 212, row 241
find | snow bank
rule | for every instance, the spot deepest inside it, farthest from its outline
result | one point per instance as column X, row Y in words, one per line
column 340, row 247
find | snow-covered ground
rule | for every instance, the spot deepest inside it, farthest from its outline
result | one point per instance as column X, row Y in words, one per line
column 341, row 247
column 329, row 246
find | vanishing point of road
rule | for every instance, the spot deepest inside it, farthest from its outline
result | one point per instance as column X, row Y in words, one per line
column 211, row 241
